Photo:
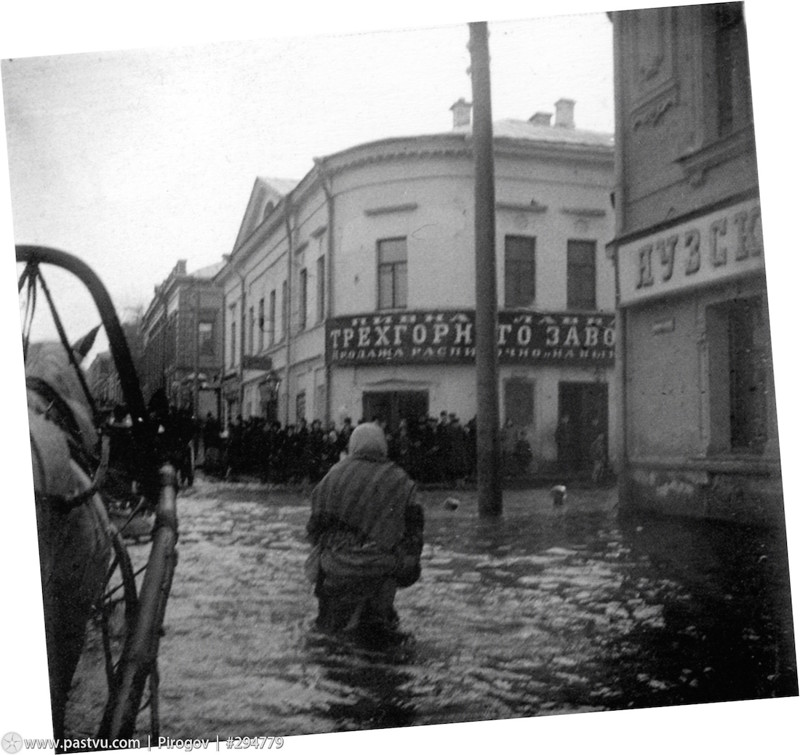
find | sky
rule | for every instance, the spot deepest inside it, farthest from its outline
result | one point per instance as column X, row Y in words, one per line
column 134, row 159
column 135, row 133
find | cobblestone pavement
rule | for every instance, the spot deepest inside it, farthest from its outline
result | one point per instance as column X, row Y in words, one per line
column 541, row 611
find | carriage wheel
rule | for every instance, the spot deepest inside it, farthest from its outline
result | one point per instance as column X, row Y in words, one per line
column 108, row 630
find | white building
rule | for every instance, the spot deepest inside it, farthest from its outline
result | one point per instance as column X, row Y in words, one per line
column 358, row 283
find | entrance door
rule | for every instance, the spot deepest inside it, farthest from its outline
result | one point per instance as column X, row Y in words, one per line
column 392, row 406
column 585, row 405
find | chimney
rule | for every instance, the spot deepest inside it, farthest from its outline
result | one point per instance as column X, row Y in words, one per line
column 180, row 268
column 462, row 111
column 565, row 113
column 540, row 118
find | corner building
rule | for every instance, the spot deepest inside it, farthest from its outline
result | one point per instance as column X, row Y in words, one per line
column 357, row 285
column 698, row 423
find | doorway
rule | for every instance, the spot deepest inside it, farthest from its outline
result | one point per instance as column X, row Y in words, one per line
column 586, row 407
column 392, row 406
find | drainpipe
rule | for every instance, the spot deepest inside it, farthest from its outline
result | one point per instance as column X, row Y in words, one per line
column 287, row 305
column 328, row 190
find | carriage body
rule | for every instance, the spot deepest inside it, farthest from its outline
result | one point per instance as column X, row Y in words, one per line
column 86, row 573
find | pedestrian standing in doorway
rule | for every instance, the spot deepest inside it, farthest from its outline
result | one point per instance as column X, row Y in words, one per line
column 366, row 529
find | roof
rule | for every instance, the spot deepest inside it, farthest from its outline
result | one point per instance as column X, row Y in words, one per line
column 209, row 271
column 510, row 128
column 280, row 186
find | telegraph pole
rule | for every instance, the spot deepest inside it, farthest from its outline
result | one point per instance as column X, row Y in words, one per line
column 490, row 493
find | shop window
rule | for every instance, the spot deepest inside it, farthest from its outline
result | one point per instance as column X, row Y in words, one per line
column 392, row 273
column 581, row 274
column 520, row 271
column 739, row 357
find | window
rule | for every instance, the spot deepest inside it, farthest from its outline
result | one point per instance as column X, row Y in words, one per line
column 581, row 277
column 392, row 274
column 300, row 406
column 734, row 106
column 303, row 306
column 320, row 288
column 251, row 330
column 205, row 339
column 272, row 314
column 284, row 310
column 261, row 324
column 519, row 402
column 520, row 271
column 739, row 361
column 233, row 337
column 748, row 402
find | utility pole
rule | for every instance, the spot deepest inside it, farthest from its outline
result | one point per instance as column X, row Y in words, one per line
column 490, row 493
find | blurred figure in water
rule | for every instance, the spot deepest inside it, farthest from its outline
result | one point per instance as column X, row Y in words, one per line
column 366, row 529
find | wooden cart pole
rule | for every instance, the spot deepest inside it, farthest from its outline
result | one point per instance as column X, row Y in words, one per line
column 490, row 493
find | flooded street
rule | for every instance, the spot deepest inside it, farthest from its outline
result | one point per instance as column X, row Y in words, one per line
column 542, row 611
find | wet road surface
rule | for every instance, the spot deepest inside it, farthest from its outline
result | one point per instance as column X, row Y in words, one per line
column 541, row 611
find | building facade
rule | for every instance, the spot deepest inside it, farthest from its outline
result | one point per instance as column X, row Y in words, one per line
column 182, row 340
column 698, row 424
column 357, row 286
column 103, row 382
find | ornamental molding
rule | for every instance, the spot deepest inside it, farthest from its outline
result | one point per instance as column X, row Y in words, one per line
column 389, row 209
column 698, row 162
column 532, row 206
column 584, row 212
column 650, row 111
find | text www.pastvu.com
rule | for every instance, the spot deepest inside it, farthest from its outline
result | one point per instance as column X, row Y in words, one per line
column 12, row 743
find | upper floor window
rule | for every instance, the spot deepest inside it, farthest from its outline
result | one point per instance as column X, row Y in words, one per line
column 261, row 324
column 303, row 303
column 321, row 288
column 581, row 274
column 205, row 339
column 251, row 323
column 520, row 271
column 273, row 312
column 732, row 68
column 233, row 339
column 392, row 273
column 284, row 309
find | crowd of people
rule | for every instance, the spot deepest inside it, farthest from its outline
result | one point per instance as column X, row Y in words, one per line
column 430, row 450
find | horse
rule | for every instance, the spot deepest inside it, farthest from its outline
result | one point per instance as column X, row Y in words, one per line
column 74, row 531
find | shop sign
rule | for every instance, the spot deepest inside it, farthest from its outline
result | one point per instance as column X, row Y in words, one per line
column 447, row 336
column 718, row 246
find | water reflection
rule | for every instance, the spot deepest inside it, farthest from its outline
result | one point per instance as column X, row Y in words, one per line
column 540, row 611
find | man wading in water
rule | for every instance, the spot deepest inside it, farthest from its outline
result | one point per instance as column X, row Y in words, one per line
column 366, row 529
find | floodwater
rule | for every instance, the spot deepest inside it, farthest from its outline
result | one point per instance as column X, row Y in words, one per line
column 541, row 611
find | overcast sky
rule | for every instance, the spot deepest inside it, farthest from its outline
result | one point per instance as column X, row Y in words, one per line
column 133, row 160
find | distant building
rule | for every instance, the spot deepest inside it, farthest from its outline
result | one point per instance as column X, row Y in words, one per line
column 182, row 336
column 353, row 292
column 699, row 431
column 103, row 382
